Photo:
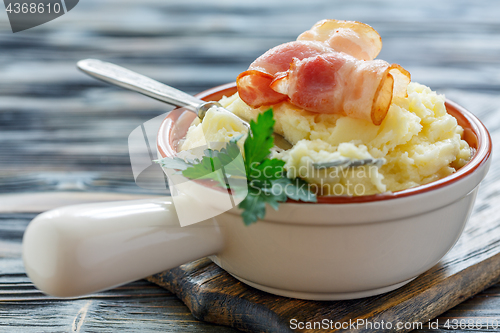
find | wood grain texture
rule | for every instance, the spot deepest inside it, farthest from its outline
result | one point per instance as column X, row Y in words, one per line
column 136, row 307
column 62, row 132
column 471, row 266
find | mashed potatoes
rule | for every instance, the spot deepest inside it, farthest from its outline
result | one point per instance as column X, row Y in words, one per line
column 418, row 139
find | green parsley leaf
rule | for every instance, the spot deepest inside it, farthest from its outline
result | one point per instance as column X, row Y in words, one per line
column 265, row 177
column 268, row 170
column 175, row 163
column 230, row 159
column 254, row 205
column 296, row 189
column 254, row 208
column 260, row 139
column 206, row 169
column 212, row 165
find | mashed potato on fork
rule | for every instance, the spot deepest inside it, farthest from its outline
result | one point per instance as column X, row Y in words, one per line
column 418, row 139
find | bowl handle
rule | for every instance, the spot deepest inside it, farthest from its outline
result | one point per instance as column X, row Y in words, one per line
column 77, row 250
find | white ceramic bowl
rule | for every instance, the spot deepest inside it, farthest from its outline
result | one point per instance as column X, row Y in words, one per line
column 338, row 248
column 341, row 247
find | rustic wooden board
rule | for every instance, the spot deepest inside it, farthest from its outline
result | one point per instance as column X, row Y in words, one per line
column 138, row 306
column 471, row 266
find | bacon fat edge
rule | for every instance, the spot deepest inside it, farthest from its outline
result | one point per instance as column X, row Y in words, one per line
column 329, row 69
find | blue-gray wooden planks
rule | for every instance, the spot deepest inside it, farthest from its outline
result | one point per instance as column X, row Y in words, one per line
column 60, row 129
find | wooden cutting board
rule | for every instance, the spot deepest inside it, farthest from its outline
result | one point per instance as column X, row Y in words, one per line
column 472, row 265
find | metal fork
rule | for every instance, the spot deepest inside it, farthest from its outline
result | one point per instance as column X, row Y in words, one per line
column 349, row 163
column 128, row 79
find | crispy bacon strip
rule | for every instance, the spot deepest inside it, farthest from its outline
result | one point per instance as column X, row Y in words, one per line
column 329, row 69
column 254, row 88
column 254, row 84
column 354, row 38
column 402, row 79
column 279, row 58
column 356, row 88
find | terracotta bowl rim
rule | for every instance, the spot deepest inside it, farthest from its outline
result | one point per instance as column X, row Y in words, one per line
column 479, row 158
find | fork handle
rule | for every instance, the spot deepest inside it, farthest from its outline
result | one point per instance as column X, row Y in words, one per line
column 128, row 79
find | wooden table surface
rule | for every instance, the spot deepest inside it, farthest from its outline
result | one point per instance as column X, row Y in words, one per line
column 63, row 136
